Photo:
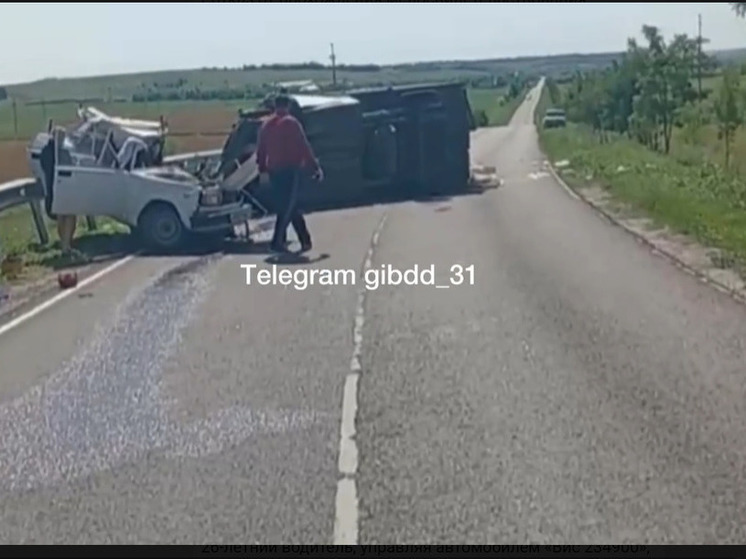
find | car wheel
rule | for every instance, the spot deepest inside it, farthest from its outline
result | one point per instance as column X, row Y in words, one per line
column 160, row 227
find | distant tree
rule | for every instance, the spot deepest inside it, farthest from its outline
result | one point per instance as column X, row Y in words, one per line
column 729, row 110
column 665, row 81
column 693, row 118
column 642, row 93
column 3, row 93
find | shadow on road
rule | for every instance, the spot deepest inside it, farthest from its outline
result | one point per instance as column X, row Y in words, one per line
column 388, row 196
column 294, row 259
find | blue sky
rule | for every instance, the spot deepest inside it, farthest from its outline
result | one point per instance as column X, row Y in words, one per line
column 58, row 40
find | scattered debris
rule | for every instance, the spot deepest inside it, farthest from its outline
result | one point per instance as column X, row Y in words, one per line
column 485, row 177
column 67, row 280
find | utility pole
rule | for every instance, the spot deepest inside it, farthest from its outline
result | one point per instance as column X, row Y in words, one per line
column 15, row 118
column 333, row 58
column 699, row 56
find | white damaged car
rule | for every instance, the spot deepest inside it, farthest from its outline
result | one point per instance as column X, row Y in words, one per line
column 162, row 204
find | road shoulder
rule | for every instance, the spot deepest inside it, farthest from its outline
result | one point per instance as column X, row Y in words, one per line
column 679, row 249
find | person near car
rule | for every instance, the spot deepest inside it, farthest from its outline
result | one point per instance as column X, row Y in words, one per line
column 283, row 153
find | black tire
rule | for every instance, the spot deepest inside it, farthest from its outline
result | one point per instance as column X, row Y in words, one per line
column 160, row 227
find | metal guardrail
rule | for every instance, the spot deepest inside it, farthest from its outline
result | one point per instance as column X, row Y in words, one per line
column 28, row 191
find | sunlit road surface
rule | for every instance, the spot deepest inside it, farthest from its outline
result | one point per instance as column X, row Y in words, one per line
column 578, row 390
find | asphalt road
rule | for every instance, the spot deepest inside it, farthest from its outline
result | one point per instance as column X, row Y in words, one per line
column 581, row 390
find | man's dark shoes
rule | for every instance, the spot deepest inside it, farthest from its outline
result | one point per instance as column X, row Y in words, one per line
column 306, row 246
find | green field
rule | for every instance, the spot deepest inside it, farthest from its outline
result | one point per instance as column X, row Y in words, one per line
column 258, row 77
column 497, row 109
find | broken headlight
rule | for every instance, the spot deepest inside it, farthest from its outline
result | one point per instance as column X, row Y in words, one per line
column 211, row 197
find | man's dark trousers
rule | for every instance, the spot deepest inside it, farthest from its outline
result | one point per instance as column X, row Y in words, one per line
column 285, row 186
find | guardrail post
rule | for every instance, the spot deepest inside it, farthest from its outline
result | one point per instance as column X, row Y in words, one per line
column 41, row 227
column 90, row 222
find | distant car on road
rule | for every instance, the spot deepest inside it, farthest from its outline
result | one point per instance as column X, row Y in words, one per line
column 554, row 118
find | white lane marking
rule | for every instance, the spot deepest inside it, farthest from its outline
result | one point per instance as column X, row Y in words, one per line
column 348, row 449
column 346, row 503
column 345, row 528
column 63, row 295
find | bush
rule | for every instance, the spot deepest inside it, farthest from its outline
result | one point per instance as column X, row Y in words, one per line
column 480, row 117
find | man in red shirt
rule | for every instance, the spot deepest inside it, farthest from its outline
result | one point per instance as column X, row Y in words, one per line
column 284, row 153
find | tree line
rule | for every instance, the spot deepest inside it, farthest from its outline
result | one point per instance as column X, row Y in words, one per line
column 182, row 90
column 655, row 88
column 296, row 67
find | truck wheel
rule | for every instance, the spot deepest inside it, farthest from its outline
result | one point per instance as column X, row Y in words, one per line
column 160, row 227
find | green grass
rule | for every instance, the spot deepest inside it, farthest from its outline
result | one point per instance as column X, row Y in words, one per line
column 492, row 102
column 18, row 235
column 699, row 200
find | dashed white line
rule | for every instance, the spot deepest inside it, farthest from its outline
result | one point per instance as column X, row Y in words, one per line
column 64, row 294
column 346, row 503
column 348, row 448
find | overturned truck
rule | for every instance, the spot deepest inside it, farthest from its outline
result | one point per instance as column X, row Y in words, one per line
column 397, row 141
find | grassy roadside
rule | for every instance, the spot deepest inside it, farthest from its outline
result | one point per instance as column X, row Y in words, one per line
column 492, row 101
column 18, row 236
column 700, row 200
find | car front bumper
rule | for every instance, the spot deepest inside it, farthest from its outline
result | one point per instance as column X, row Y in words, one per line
column 209, row 219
